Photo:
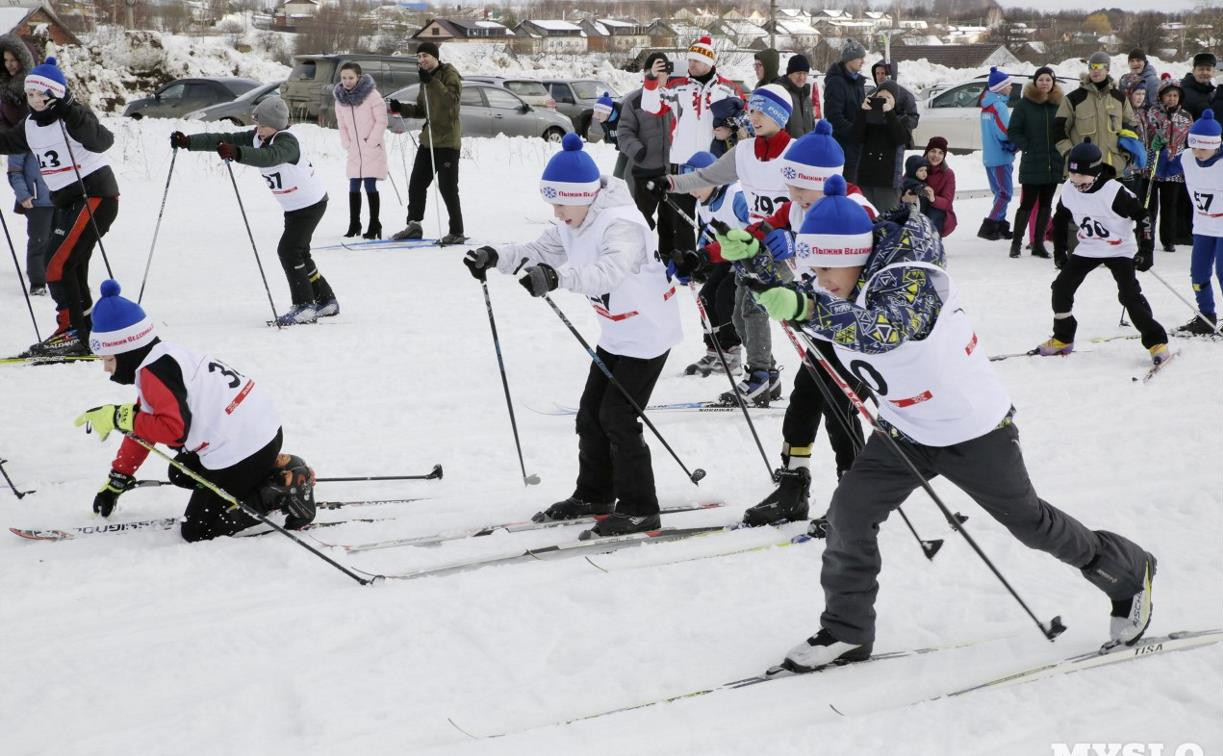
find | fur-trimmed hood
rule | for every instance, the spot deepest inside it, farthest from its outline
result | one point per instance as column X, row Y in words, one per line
column 13, row 87
column 357, row 94
column 1053, row 97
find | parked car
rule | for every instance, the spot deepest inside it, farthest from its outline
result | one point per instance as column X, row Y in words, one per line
column 576, row 98
column 308, row 90
column 533, row 92
column 240, row 111
column 488, row 110
column 183, row 96
column 954, row 113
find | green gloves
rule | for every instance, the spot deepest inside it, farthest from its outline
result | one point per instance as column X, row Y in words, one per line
column 107, row 418
column 738, row 245
column 782, row 303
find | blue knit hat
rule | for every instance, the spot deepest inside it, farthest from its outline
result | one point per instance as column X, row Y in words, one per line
column 1085, row 158
column 774, row 101
column 119, row 324
column 837, row 232
column 604, row 104
column 999, row 81
column 699, row 160
column 812, row 159
column 571, row 176
column 46, row 78
column 1205, row 132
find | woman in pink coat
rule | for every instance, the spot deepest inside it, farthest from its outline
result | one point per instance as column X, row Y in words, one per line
column 361, row 115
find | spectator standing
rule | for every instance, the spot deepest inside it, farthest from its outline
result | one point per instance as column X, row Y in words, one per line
column 879, row 132
column 844, row 93
column 33, row 197
column 802, row 118
column 604, row 127
column 438, row 100
column 940, row 180
column 728, row 120
column 1040, row 163
column 906, row 110
column 1098, row 110
column 1142, row 71
column 767, row 65
column 998, row 154
column 1168, row 129
column 361, row 116
column 645, row 141
column 1198, row 86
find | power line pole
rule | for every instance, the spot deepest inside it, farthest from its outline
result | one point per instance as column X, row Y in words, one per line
column 773, row 24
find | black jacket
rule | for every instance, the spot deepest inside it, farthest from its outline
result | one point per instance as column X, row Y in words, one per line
column 844, row 93
column 802, row 118
column 1197, row 96
column 879, row 142
column 82, row 125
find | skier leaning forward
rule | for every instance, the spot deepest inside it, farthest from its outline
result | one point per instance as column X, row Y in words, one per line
column 601, row 247
column 945, row 408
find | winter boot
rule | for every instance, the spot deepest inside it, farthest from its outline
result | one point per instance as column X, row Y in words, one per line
column 1159, row 353
column 821, row 650
column 410, row 231
column 451, row 239
column 1016, row 241
column 1055, row 347
column 1039, row 250
column 64, row 344
column 299, row 314
column 706, row 365
column 354, row 215
column 571, row 509
column 375, row 226
column 755, row 388
column 1196, row 327
column 989, row 230
column 621, row 524
column 1130, row 617
column 775, row 383
column 38, row 290
column 1004, row 230
column 788, row 503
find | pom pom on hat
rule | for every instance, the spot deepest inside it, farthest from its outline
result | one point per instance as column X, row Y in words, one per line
column 46, row 78
column 571, row 176
column 604, row 104
column 119, row 324
column 813, row 159
column 999, row 81
column 774, row 101
column 837, row 232
column 1205, row 132
column 702, row 51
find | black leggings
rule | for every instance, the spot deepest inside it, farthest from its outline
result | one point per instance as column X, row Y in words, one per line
column 718, row 297
column 306, row 284
column 208, row 515
column 1129, row 294
column 1167, row 196
column 1039, row 196
column 808, row 405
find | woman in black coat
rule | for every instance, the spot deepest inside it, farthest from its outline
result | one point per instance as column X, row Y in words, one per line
column 880, row 132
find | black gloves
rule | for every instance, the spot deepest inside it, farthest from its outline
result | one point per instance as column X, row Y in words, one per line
column 58, row 107
column 179, row 140
column 539, row 279
column 228, row 151
column 692, row 264
column 478, row 261
column 658, row 188
column 425, row 76
column 1144, row 260
column 108, row 495
column 396, row 107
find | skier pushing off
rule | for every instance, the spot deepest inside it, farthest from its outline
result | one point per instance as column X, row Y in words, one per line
column 224, row 424
column 601, row 247
column 301, row 193
column 893, row 315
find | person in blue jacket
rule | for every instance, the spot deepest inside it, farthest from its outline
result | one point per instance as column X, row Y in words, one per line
column 998, row 153
column 34, row 202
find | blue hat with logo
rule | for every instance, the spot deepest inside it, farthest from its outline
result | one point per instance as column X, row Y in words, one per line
column 812, row 159
column 47, row 79
column 837, row 232
column 571, row 176
column 119, row 324
column 1205, row 132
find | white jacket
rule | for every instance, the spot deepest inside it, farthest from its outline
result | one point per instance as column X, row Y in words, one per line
column 692, row 105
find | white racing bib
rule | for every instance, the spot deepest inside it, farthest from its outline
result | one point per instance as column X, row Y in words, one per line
column 762, row 182
column 55, row 158
column 1205, row 186
column 293, row 185
column 1101, row 232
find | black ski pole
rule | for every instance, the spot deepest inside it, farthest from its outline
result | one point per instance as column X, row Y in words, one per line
column 434, row 474
column 527, row 480
column 157, row 226
column 16, row 491
column 251, row 236
column 20, row 278
column 237, row 504
column 1055, row 627
column 85, row 196
column 695, row 475
column 1216, row 327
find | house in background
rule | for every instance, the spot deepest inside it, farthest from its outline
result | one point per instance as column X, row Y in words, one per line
column 462, row 30
column 35, row 23
column 958, row 56
column 293, row 12
column 549, row 36
column 614, row 35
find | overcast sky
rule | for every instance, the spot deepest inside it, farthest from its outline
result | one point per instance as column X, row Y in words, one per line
column 1129, row 5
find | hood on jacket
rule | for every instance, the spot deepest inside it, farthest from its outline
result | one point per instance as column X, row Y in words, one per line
column 772, row 64
column 840, row 71
column 995, row 99
column 785, row 83
column 903, row 235
column 1053, row 97
column 357, row 95
column 13, row 87
column 879, row 64
column 613, row 192
column 913, row 164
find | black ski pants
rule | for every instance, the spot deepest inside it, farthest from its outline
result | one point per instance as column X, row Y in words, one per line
column 808, row 405
column 208, row 515
column 1039, row 196
column 1166, row 201
column 718, row 298
column 447, row 183
column 1129, row 293
column 306, row 284
column 613, row 458
column 72, row 239
column 990, row 469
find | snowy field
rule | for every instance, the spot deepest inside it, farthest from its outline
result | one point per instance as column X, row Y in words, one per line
column 142, row 644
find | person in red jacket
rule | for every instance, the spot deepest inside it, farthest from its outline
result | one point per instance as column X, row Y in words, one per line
column 224, row 425
column 940, row 181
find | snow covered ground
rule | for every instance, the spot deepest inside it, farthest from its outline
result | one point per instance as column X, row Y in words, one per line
column 143, row 644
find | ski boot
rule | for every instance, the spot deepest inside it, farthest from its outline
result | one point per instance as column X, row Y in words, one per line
column 1196, row 327
column 59, row 344
column 622, row 524
column 788, row 503
column 1055, row 347
column 704, row 366
column 1159, row 354
column 821, row 650
column 327, row 309
column 571, row 509
column 410, row 231
column 756, row 387
column 290, row 489
column 1130, row 617
column 818, row 528
column 451, row 239
column 298, row 315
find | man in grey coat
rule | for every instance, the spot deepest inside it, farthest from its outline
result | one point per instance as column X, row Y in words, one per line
column 802, row 118
column 645, row 139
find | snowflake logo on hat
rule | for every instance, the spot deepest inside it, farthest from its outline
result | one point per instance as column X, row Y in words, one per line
column 789, row 172
column 550, row 192
column 94, row 345
column 802, row 249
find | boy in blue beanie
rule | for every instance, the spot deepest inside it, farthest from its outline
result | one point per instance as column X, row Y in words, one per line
column 601, row 247
column 224, row 426
column 1204, row 182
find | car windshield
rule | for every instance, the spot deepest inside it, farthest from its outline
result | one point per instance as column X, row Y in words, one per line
column 304, row 70
column 593, row 90
column 527, row 88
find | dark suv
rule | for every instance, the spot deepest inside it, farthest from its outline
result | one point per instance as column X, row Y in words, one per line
column 182, row 96
column 576, row 98
column 308, row 89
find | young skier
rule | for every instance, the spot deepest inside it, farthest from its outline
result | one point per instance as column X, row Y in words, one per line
column 1204, row 179
column 998, row 154
column 289, row 174
column 756, row 165
column 1113, row 230
column 601, row 247
column 890, row 309
column 224, row 425
column 68, row 142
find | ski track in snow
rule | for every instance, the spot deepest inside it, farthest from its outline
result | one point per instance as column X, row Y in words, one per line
column 142, row 644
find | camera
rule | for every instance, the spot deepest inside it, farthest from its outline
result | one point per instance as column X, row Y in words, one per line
column 670, row 66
